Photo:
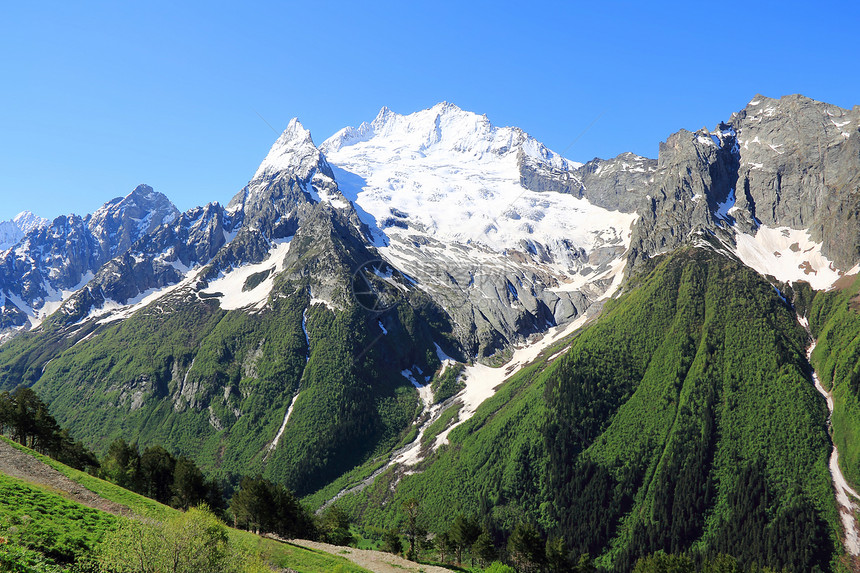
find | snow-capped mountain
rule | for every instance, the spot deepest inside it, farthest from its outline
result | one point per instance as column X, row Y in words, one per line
column 53, row 260
column 504, row 234
column 283, row 334
column 13, row 231
column 449, row 196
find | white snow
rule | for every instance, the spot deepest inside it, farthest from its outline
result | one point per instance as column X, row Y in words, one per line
column 229, row 285
column 11, row 232
column 453, row 175
column 280, row 433
column 482, row 381
column 328, row 304
column 382, row 328
column 725, row 207
column 787, row 254
column 424, row 390
column 116, row 311
column 294, row 151
column 443, row 358
column 51, row 303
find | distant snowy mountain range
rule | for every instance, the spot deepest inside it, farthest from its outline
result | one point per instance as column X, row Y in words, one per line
column 13, row 231
column 506, row 235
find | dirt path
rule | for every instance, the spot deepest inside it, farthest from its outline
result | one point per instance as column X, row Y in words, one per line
column 376, row 561
column 19, row 465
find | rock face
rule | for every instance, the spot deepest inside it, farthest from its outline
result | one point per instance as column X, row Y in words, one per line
column 617, row 184
column 52, row 260
column 791, row 163
column 695, row 174
column 800, row 168
column 121, row 222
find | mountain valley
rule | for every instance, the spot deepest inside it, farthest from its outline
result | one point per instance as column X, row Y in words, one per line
column 429, row 307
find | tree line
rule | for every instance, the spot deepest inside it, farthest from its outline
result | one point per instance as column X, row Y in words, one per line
column 473, row 540
column 258, row 505
column 26, row 420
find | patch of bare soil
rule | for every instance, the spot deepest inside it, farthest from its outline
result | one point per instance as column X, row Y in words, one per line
column 17, row 464
column 376, row 561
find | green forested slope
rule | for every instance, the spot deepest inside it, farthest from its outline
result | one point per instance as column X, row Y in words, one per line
column 215, row 385
column 683, row 419
column 835, row 323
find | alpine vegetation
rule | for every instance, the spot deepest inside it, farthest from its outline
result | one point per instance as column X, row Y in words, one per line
column 437, row 336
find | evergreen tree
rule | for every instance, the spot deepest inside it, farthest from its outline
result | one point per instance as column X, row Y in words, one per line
column 556, row 555
column 334, row 526
column 464, row 532
column 189, row 485
column 413, row 529
column 262, row 506
column 391, row 541
column 526, row 547
column 660, row 562
column 156, row 473
column 121, row 464
column 483, row 547
column 443, row 543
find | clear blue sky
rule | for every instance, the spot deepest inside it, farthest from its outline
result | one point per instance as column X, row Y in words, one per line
column 98, row 97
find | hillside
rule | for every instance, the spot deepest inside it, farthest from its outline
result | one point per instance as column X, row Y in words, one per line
column 647, row 434
column 606, row 358
column 50, row 520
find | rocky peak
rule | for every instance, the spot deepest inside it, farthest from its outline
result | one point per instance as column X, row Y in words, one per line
column 294, row 153
column 799, row 169
column 11, row 232
column 619, row 183
column 27, row 221
column 124, row 220
column 694, row 177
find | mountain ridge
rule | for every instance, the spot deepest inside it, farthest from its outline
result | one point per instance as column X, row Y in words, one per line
column 303, row 330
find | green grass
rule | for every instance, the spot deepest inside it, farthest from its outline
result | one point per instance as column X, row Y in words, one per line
column 41, row 521
column 55, row 524
column 137, row 503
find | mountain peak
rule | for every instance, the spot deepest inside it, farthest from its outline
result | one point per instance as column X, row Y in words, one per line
column 384, row 114
column 142, row 192
column 13, row 231
column 27, row 221
column 295, row 134
column 294, row 151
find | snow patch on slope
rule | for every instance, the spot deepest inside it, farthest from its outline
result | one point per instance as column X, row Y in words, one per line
column 118, row 311
column 845, row 494
column 230, row 287
column 483, row 381
column 280, row 433
column 787, row 254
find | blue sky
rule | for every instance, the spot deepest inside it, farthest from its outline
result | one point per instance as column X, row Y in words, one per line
column 98, row 97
